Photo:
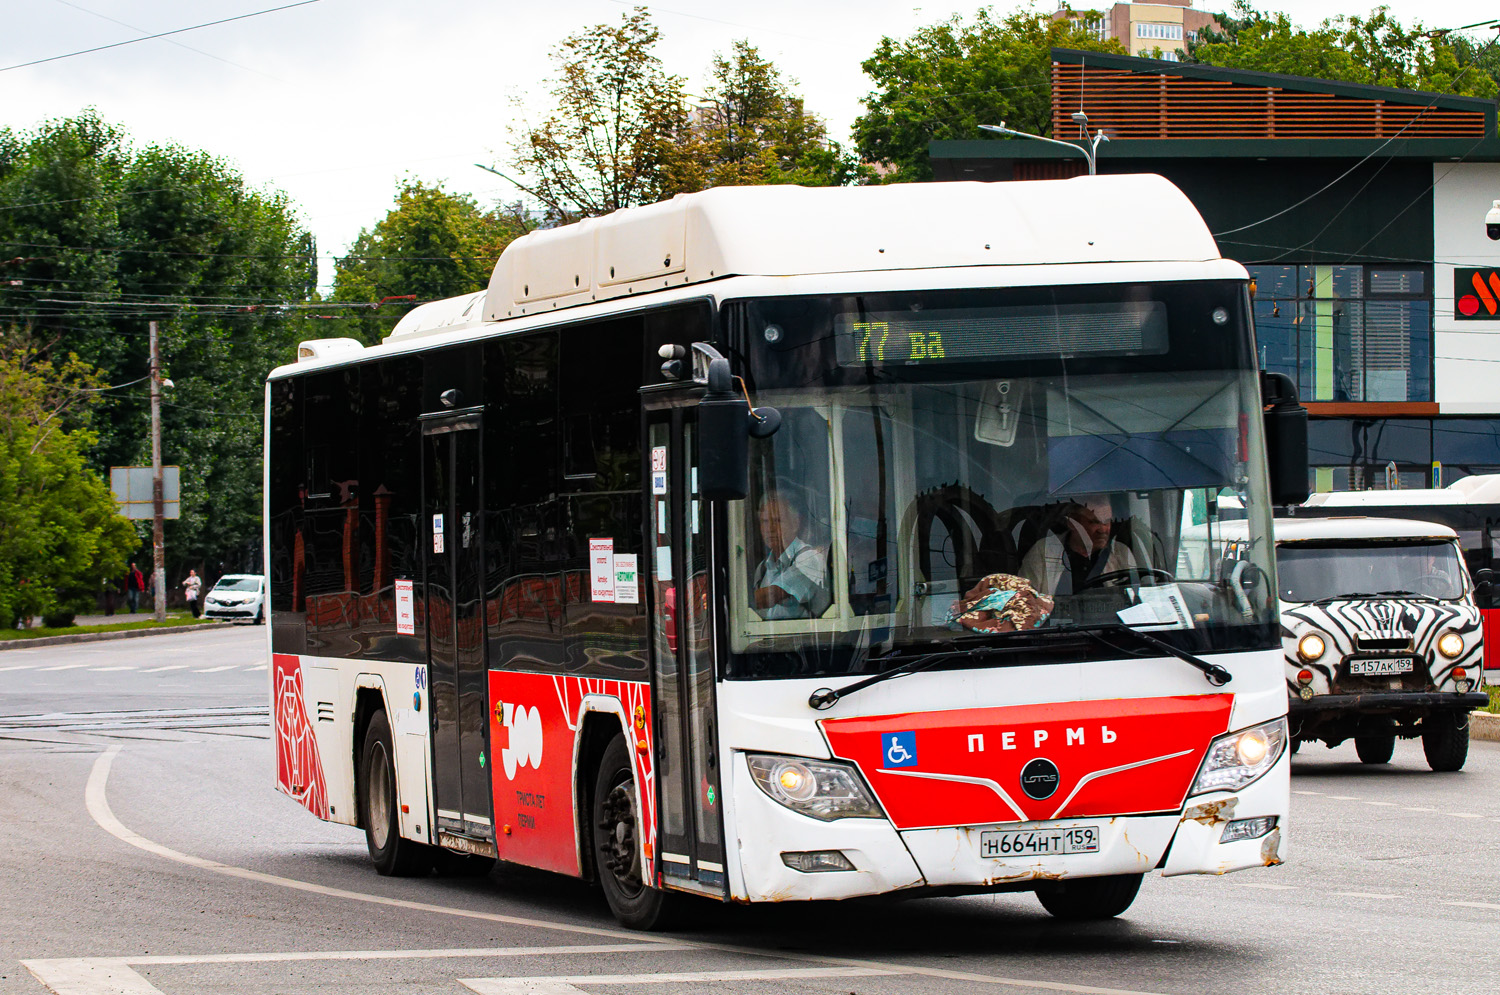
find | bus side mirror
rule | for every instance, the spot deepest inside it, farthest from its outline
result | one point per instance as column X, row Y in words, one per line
column 725, row 425
column 1484, row 588
column 1286, row 439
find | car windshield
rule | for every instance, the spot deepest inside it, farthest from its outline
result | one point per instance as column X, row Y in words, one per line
column 1309, row 571
column 251, row 584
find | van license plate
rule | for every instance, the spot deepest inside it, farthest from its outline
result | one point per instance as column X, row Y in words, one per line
column 1375, row 668
column 1039, row 842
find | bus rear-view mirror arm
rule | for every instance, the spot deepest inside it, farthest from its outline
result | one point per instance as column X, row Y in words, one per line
column 726, row 423
column 1286, row 438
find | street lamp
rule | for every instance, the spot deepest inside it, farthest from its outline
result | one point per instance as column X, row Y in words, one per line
column 158, row 511
column 1090, row 150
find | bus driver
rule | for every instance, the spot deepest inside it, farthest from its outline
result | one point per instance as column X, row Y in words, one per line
column 1066, row 564
column 792, row 580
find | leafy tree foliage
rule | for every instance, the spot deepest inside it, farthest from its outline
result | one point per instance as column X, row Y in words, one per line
column 754, row 130
column 948, row 78
column 103, row 237
column 432, row 244
column 1376, row 49
column 60, row 537
column 604, row 144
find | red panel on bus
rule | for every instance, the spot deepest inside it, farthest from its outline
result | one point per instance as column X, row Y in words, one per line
column 534, row 722
column 1491, row 618
column 1023, row 763
column 299, row 767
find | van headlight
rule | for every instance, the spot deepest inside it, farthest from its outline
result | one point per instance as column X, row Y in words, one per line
column 1451, row 645
column 1239, row 758
column 1311, row 647
column 821, row 789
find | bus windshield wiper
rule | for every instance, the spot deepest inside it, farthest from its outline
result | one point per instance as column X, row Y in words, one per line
column 828, row 697
column 1215, row 674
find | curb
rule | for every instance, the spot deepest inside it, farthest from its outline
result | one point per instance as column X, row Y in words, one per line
column 1484, row 726
column 99, row 637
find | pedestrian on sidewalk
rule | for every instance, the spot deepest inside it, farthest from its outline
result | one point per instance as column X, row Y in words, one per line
column 191, row 585
column 135, row 583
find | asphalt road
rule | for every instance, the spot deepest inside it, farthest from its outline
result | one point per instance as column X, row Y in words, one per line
column 143, row 849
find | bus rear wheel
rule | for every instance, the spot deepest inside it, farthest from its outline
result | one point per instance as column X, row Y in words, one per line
column 1079, row 899
column 1445, row 739
column 617, row 847
column 392, row 855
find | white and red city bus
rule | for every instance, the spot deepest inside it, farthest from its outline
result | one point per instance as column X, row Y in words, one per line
column 1469, row 506
column 920, row 620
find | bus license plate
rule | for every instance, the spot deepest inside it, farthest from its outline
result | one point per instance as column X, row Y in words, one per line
column 1039, row 842
column 1375, row 668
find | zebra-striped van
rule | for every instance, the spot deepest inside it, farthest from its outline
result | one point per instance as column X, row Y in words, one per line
column 1381, row 634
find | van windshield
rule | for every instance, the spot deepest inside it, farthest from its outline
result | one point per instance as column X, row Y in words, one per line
column 1308, row 571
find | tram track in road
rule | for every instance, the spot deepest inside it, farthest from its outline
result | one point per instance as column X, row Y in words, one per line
column 228, row 719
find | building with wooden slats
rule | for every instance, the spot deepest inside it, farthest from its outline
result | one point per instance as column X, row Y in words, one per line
column 1360, row 213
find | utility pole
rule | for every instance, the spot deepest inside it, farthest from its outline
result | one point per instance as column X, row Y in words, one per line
column 158, row 543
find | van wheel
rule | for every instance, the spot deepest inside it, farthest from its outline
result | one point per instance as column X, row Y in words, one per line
column 1445, row 739
column 392, row 855
column 616, row 845
column 1078, row 899
column 1376, row 748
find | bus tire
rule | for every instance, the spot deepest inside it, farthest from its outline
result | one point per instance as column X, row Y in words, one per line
column 616, row 845
column 1445, row 739
column 1078, row 899
column 1376, row 747
column 392, row 855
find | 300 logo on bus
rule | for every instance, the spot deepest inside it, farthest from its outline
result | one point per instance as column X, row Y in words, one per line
column 525, row 746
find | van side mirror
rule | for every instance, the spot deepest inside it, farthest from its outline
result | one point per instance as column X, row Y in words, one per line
column 1285, row 422
column 725, row 424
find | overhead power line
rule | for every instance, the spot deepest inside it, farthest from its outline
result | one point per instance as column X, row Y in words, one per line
column 159, row 34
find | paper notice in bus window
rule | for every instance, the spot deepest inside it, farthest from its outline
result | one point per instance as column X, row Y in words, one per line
column 406, row 618
column 602, row 569
column 627, row 580
column 437, row 533
column 658, row 469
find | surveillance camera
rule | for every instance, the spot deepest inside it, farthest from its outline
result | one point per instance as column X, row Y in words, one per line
column 1492, row 222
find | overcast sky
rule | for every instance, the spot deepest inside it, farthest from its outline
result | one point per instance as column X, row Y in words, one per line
column 336, row 100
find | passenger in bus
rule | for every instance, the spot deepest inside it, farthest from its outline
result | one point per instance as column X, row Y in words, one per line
column 1085, row 550
column 792, row 580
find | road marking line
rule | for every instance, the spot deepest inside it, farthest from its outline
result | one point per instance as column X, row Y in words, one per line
column 67, row 666
column 1390, row 804
column 157, row 670
column 566, row 985
column 90, row 976
column 1474, row 905
column 97, row 802
column 258, row 666
column 1267, row 887
column 1361, row 894
column 1413, row 808
column 215, row 670
column 1307, row 792
column 102, row 670
column 1344, row 798
column 1463, row 815
column 19, row 666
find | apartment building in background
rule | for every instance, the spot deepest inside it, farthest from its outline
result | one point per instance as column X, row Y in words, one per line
column 1154, row 30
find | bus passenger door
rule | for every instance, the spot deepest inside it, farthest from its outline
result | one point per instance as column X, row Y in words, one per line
column 451, row 501
column 690, row 835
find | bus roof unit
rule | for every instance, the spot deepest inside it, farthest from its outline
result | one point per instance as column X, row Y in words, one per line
column 791, row 230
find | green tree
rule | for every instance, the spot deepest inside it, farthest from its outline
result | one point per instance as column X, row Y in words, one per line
column 1376, row 49
column 617, row 114
column 102, row 238
column 60, row 537
column 754, row 129
column 948, row 78
column 432, row 244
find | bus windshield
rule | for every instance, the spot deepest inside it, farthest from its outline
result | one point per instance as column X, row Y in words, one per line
column 1308, row 571
column 962, row 468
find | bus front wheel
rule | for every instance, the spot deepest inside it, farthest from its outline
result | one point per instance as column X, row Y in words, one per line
column 392, row 855
column 617, row 845
column 1445, row 739
column 1079, row 899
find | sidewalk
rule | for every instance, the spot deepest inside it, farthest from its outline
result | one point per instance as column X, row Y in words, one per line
column 120, row 618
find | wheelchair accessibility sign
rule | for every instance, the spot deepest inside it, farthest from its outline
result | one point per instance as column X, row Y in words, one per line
column 899, row 749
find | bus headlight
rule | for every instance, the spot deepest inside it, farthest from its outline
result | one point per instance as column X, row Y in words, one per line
column 1311, row 647
column 1451, row 645
column 1239, row 758
column 821, row 789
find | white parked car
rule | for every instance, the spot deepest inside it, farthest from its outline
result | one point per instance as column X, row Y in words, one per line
column 237, row 596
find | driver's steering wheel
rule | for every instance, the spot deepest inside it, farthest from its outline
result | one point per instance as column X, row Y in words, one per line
column 1440, row 582
column 1125, row 578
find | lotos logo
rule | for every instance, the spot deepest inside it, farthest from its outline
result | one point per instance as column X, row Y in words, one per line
column 525, row 745
column 1039, row 778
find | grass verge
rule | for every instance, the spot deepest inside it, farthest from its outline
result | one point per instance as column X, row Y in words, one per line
column 78, row 630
